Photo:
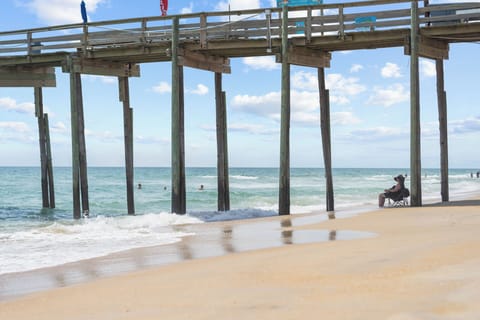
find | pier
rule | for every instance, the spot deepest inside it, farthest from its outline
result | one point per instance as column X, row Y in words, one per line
column 304, row 36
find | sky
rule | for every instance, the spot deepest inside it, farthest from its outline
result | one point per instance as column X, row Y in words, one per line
column 369, row 100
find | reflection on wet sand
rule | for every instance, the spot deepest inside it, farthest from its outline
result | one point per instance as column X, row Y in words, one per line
column 210, row 240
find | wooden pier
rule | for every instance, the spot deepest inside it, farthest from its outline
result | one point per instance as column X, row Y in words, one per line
column 207, row 41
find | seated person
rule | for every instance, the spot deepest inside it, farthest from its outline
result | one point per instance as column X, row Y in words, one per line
column 395, row 193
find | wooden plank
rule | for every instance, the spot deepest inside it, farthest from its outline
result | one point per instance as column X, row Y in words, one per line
column 302, row 56
column 432, row 48
column 284, row 178
column 27, row 77
column 429, row 48
column 106, row 68
column 443, row 126
column 204, row 61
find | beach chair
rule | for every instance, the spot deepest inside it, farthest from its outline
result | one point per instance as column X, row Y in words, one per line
column 401, row 200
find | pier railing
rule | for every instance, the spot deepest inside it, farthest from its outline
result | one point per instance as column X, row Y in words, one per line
column 201, row 28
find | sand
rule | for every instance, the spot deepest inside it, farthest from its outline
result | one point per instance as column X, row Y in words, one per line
column 422, row 263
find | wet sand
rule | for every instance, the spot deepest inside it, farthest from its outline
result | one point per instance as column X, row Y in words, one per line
column 408, row 263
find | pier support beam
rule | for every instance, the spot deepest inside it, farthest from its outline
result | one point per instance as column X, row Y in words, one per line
column 178, row 136
column 48, row 196
column 124, row 95
column 51, row 185
column 284, row 178
column 79, row 157
column 326, row 138
column 415, row 139
column 442, row 118
column 222, row 146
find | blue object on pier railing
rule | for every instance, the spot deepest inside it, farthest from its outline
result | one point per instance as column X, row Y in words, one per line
column 365, row 23
column 295, row 3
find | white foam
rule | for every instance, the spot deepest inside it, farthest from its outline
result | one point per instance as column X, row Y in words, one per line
column 67, row 241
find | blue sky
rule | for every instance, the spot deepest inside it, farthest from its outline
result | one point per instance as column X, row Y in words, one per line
column 369, row 92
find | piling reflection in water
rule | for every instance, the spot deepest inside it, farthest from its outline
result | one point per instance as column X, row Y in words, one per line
column 210, row 240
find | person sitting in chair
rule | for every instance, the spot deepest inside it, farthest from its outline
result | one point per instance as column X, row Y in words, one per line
column 395, row 193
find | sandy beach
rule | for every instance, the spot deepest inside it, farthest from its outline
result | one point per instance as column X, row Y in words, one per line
column 411, row 263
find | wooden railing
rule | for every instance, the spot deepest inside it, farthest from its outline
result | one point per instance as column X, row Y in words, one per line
column 312, row 21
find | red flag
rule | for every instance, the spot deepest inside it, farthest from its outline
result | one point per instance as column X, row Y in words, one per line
column 164, row 7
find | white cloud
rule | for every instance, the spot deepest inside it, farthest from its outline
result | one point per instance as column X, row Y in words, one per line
column 344, row 118
column 252, row 128
column 10, row 104
column 428, row 68
column 188, row 9
column 201, row 90
column 465, row 126
column 59, row 127
column 261, row 63
column 237, row 5
column 341, row 88
column 356, row 68
column 391, row 70
column 104, row 79
column 19, row 127
column 379, row 133
column 60, row 11
column 389, row 96
column 162, row 87
column 304, row 108
column 16, row 131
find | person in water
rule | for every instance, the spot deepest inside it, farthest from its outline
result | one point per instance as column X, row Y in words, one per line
column 392, row 193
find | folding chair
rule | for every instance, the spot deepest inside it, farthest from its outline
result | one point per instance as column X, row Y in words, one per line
column 400, row 200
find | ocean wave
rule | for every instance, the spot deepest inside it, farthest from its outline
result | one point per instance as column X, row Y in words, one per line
column 242, row 177
column 68, row 241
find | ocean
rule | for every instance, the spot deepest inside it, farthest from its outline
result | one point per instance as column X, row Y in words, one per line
column 33, row 238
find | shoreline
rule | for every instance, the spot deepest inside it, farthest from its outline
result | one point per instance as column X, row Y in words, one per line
column 422, row 264
column 210, row 239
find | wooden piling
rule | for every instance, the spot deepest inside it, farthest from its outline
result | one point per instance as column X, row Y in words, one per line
column 51, row 184
column 82, row 147
column 75, row 146
column 181, row 133
column 124, row 95
column 79, row 154
column 41, row 138
column 284, row 178
column 415, row 139
column 326, row 138
column 443, row 126
column 222, row 146
column 178, row 161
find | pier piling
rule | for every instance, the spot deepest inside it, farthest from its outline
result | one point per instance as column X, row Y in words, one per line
column 326, row 138
column 222, row 146
column 178, row 143
column 79, row 160
column 443, row 126
column 415, row 139
column 284, row 179
column 124, row 95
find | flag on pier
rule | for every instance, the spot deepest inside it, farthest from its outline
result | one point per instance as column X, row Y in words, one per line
column 164, row 7
column 83, row 10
